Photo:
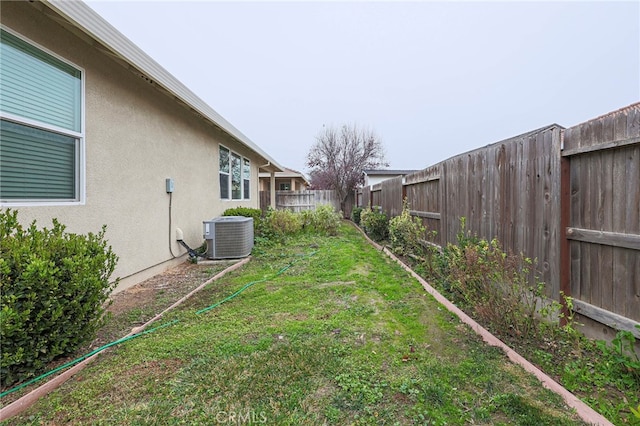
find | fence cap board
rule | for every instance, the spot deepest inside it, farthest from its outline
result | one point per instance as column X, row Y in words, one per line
column 597, row 133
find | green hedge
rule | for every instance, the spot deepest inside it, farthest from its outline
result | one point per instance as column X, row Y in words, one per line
column 324, row 220
column 375, row 223
column 256, row 214
column 405, row 232
column 53, row 286
column 355, row 215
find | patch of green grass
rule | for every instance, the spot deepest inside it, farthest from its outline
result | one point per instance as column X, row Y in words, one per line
column 343, row 336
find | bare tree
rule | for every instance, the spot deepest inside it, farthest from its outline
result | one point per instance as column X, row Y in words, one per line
column 319, row 179
column 339, row 156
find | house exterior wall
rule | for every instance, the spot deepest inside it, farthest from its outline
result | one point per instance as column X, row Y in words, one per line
column 135, row 137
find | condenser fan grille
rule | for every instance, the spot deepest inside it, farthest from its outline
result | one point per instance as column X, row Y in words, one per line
column 228, row 237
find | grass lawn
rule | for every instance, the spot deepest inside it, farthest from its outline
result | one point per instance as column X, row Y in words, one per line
column 342, row 336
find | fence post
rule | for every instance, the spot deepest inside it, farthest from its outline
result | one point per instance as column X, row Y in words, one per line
column 272, row 190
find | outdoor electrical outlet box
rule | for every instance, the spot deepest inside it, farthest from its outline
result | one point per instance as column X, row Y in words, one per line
column 169, row 183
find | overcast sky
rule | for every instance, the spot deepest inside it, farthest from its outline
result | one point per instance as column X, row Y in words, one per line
column 432, row 79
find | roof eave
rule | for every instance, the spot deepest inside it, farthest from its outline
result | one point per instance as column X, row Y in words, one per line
column 91, row 23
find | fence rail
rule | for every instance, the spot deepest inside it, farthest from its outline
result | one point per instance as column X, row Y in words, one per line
column 577, row 188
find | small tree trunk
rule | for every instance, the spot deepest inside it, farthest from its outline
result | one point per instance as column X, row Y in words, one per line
column 347, row 205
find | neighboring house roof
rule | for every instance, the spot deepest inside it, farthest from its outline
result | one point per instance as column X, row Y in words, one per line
column 287, row 173
column 388, row 172
column 92, row 24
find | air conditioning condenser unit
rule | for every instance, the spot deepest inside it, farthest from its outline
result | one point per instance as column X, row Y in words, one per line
column 228, row 237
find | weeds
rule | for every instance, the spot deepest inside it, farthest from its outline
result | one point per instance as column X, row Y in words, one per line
column 494, row 286
column 624, row 353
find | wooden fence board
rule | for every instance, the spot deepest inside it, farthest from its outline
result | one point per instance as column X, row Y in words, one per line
column 391, row 196
column 632, row 300
column 606, row 259
column 620, row 258
column 424, row 198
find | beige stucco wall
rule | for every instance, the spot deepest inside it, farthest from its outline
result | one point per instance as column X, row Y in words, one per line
column 136, row 136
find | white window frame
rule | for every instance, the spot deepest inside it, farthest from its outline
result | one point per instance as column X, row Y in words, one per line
column 80, row 172
column 246, row 167
column 232, row 158
column 230, row 174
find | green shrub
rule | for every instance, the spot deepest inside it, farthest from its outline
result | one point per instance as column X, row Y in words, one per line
column 256, row 214
column 306, row 218
column 53, row 286
column 324, row 220
column 355, row 215
column 375, row 223
column 280, row 223
column 405, row 233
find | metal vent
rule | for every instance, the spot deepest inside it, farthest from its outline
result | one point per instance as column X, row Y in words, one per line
column 228, row 237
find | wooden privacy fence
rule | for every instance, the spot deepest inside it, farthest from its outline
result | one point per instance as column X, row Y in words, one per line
column 511, row 190
column 297, row 201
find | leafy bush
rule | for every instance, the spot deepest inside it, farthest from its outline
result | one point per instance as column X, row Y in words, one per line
column 280, row 223
column 355, row 215
column 405, row 232
column 323, row 220
column 256, row 214
column 53, row 285
column 375, row 223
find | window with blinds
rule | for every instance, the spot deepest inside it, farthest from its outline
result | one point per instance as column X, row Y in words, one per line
column 41, row 124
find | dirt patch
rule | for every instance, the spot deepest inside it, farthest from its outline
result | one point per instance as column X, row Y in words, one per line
column 176, row 281
column 138, row 304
